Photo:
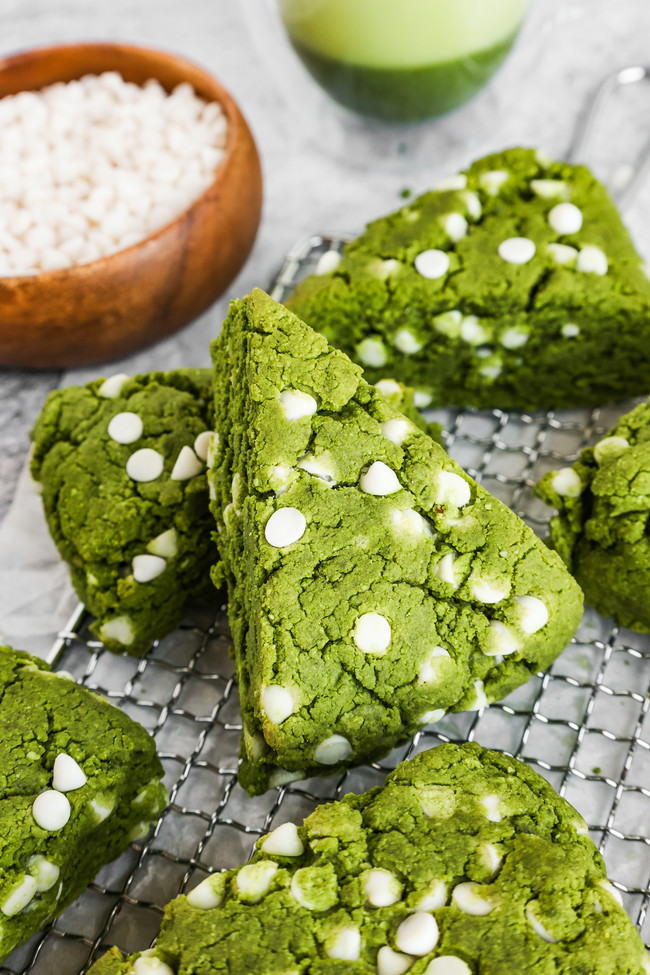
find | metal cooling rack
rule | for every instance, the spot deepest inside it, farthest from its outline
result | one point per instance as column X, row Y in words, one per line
column 584, row 724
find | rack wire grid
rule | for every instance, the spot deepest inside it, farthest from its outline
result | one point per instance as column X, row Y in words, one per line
column 583, row 724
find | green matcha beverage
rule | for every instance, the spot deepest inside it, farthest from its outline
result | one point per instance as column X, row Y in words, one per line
column 402, row 60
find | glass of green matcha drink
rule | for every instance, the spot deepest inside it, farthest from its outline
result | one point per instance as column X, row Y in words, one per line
column 402, row 60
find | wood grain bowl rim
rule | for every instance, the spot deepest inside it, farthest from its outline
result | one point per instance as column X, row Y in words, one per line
column 219, row 94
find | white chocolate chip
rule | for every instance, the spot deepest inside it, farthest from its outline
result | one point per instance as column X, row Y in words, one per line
column 102, row 806
column 447, row 965
column 254, row 880
column 384, row 269
column 112, row 386
column 282, row 776
column 432, row 264
column 422, row 399
column 517, row 250
column 562, row 253
column 492, row 805
column 208, row 894
column 452, row 489
column 149, row 965
column 406, row 342
column 537, row 926
column 283, row 841
column 432, row 897
column 514, row 338
column 473, row 204
column 549, row 189
column 612, row 891
column 332, row 750
column 187, row 465
column 165, row 545
column 609, row 448
column 67, row 774
column 570, row 331
column 328, row 262
column 566, row 483
column 445, row 571
column 533, row 613
column 345, row 945
column 382, row 888
column 472, row 331
column 51, row 810
column 480, row 697
column 467, row 898
column 202, row 444
column 410, row 522
column 492, row 181
column 125, row 428
column 417, row 935
column 322, row 467
column 118, row 629
column 565, row 218
column 489, row 592
column 456, row 182
column 448, row 323
column 371, row 351
column 388, row 387
column 500, row 640
column 147, row 567
column 430, row 669
column 379, row 480
column 593, row 261
column 296, row 404
column 390, row 962
column 145, row 464
column 372, row 633
column 490, row 857
column 277, row 702
column 20, row 897
column 396, row 430
column 492, row 370
column 284, row 527
column 455, row 226
column 432, row 717
column 44, row 872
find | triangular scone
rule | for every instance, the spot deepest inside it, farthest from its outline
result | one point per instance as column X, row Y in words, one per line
column 372, row 584
column 601, row 526
column 465, row 861
column 514, row 284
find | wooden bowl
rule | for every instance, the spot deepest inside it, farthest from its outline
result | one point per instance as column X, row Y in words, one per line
column 118, row 304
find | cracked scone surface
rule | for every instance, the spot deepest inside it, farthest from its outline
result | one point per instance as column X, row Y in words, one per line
column 465, row 861
column 516, row 286
column 372, row 584
column 80, row 780
column 126, row 498
column 601, row 525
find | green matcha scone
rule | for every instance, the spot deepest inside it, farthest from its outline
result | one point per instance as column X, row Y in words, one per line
column 372, row 584
column 121, row 465
column 466, row 861
column 514, row 284
column 601, row 525
column 80, row 780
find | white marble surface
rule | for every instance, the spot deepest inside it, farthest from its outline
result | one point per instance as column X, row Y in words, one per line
column 565, row 48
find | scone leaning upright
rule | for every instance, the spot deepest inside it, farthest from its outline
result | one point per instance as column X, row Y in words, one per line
column 512, row 284
column 465, row 862
column 80, row 781
column 121, row 465
column 601, row 525
column 372, row 584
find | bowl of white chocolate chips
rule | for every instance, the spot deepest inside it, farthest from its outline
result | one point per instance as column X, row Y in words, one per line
column 130, row 196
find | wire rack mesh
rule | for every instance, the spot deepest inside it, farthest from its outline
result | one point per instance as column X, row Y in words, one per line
column 584, row 724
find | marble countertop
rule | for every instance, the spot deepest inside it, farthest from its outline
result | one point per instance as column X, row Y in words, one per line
column 565, row 48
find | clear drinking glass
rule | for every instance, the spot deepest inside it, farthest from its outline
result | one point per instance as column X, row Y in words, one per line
column 402, row 60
